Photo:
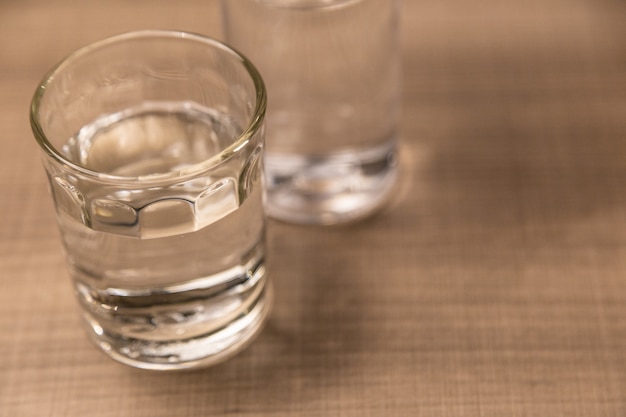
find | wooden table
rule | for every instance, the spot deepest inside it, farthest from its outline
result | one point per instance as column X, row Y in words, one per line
column 493, row 285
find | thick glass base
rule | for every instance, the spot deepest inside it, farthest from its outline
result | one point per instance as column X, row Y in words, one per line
column 330, row 189
column 201, row 350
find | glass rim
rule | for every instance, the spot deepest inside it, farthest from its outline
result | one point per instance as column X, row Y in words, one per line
column 253, row 126
column 309, row 4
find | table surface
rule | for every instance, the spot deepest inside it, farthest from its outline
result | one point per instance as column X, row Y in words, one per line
column 494, row 284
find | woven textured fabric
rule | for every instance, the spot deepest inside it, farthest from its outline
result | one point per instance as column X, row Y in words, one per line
column 494, row 283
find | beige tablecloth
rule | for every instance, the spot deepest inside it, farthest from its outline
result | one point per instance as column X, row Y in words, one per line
column 493, row 285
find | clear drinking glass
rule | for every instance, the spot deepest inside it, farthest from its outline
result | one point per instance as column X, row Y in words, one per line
column 153, row 144
column 332, row 72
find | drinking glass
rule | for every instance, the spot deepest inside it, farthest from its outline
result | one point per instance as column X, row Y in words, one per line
column 332, row 72
column 153, row 142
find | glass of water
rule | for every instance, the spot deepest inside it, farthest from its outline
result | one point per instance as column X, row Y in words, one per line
column 153, row 145
column 332, row 71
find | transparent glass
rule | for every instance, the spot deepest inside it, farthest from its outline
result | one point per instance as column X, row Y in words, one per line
column 332, row 72
column 153, row 142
